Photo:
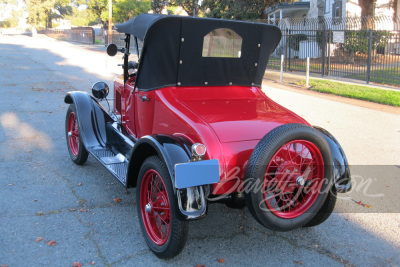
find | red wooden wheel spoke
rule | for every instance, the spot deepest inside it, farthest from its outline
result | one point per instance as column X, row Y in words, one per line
column 298, row 159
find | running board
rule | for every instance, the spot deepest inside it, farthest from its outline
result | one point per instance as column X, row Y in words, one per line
column 117, row 164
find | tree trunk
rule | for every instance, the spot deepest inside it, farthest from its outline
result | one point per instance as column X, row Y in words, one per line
column 49, row 22
column 367, row 7
column 367, row 13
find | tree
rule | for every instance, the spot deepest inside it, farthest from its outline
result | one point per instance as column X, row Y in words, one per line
column 394, row 6
column 38, row 11
column 99, row 8
column 81, row 18
column 124, row 10
column 61, row 9
column 190, row 6
column 9, row 23
column 158, row 5
column 367, row 7
column 238, row 9
column 358, row 42
column 5, row 7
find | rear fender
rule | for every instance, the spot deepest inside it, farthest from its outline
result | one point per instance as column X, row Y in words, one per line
column 342, row 176
column 172, row 151
column 92, row 119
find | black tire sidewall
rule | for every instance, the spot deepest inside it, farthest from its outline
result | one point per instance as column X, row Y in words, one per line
column 263, row 154
column 326, row 210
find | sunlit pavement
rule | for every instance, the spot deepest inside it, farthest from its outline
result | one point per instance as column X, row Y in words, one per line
column 43, row 194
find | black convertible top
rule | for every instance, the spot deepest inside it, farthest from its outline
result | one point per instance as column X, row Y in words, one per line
column 187, row 51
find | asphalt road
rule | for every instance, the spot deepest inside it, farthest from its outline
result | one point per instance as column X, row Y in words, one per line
column 43, row 194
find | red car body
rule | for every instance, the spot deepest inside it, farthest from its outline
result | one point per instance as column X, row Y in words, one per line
column 229, row 121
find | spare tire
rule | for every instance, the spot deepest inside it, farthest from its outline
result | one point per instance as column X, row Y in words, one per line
column 288, row 177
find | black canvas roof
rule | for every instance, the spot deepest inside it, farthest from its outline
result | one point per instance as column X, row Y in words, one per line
column 173, row 47
column 138, row 26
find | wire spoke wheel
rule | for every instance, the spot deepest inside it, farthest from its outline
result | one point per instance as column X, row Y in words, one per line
column 73, row 134
column 291, row 172
column 76, row 148
column 155, row 208
column 163, row 230
column 293, row 179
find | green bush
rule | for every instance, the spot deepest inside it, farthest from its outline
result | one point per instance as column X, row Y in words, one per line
column 357, row 41
column 9, row 23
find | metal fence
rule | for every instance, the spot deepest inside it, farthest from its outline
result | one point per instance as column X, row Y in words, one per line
column 57, row 34
column 85, row 35
column 357, row 48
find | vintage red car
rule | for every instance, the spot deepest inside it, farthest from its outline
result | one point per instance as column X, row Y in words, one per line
column 190, row 126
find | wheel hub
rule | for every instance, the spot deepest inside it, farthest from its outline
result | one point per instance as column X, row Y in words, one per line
column 300, row 181
column 147, row 208
column 288, row 174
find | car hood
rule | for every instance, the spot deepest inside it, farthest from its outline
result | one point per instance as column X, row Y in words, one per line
column 234, row 119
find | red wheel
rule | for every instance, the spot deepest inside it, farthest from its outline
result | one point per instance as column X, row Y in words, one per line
column 164, row 232
column 289, row 173
column 76, row 149
column 155, row 208
column 293, row 179
column 73, row 134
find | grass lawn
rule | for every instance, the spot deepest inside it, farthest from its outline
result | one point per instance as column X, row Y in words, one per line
column 295, row 65
column 389, row 76
column 387, row 97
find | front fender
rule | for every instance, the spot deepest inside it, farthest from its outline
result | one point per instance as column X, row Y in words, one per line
column 92, row 119
column 342, row 176
column 172, row 150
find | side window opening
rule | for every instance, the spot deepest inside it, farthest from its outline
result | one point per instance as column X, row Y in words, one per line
column 222, row 42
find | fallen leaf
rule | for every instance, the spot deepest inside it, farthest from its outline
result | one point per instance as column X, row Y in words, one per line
column 77, row 264
column 362, row 204
column 92, row 263
column 221, row 260
column 80, row 184
column 299, row 262
column 117, row 200
column 39, row 239
column 51, row 243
